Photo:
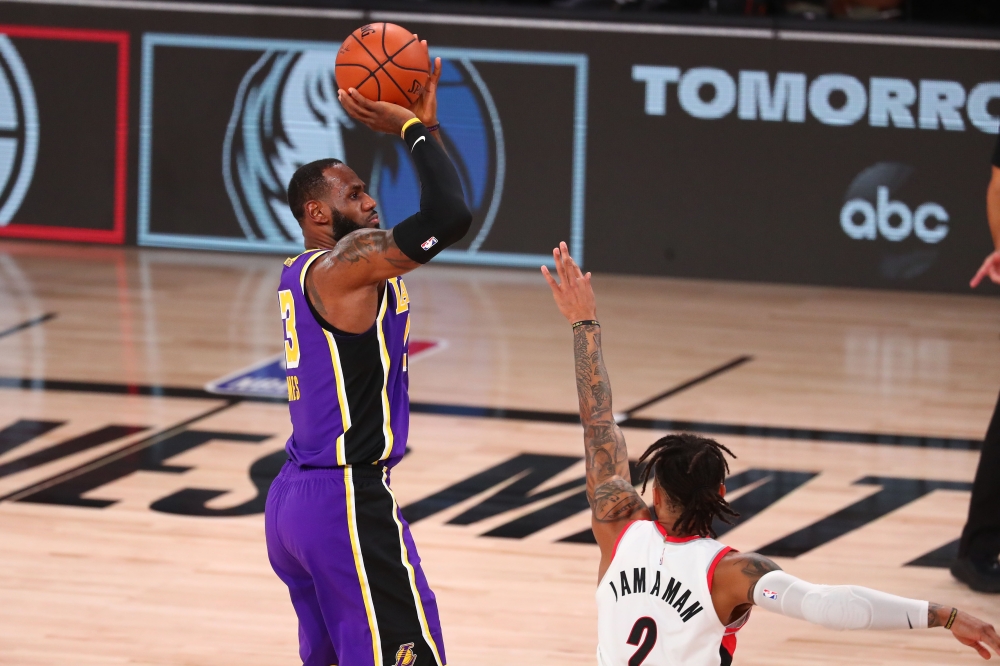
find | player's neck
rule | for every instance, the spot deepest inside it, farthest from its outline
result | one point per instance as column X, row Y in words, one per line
column 318, row 242
column 668, row 519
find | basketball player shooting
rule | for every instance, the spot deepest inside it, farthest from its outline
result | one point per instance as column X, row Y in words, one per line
column 668, row 593
column 334, row 532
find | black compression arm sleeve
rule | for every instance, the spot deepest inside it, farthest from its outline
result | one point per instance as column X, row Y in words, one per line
column 443, row 218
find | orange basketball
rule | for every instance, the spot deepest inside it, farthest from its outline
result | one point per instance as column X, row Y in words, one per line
column 385, row 62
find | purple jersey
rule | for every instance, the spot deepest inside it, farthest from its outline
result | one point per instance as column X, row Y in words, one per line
column 348, row 395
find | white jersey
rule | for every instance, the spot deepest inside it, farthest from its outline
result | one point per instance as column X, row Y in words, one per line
column 654, row 604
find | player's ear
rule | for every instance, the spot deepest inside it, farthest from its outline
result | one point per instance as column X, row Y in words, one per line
column 316, row 213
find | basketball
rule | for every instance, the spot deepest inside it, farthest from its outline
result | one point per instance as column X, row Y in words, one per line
column 384, row 62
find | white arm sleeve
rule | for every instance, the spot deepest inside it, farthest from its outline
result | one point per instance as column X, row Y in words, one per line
column 838, row 606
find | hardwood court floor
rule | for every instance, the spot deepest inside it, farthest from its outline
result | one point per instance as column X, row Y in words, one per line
column 130, row 524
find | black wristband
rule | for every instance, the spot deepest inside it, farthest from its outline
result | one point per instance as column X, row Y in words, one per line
column 587, row 322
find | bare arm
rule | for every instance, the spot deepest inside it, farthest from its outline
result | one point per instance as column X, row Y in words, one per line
column 993, row 206
column 362, row 257
column 613, row 499
column 991, row 265
column 734, row 583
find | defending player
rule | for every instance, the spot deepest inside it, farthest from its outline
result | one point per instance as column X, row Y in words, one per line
column 335, row 534
column 668, row 593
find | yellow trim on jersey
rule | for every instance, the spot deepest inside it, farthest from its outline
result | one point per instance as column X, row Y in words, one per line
column 305, row 267
column 386, row 363
column 406, row 333
column 345, row 410
column 405, row 557
column 359, row 565
column 292, row 260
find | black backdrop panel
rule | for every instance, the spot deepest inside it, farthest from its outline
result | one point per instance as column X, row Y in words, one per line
column 750, row 154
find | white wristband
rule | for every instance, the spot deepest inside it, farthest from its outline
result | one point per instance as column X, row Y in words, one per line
column 838, row 606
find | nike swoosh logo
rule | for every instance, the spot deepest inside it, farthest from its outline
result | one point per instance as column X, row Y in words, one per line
column 908, row 621
column 419, row 139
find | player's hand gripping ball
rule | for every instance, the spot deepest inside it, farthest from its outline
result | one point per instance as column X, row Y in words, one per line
column 384, row 62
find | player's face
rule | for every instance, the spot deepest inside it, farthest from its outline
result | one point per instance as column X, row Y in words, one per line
column 351, row 207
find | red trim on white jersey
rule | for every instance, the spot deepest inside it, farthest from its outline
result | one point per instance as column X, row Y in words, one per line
column 620, row 535
column 672, row 539
column 711, row 568
column 729, row 644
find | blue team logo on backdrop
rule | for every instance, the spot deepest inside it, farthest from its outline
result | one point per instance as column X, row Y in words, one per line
column 286, row 114
column 18, row 131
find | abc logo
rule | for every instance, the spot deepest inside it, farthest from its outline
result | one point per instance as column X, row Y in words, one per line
column 893, row 220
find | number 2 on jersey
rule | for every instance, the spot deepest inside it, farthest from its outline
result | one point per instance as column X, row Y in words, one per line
column 644, row 625
column 287, row 303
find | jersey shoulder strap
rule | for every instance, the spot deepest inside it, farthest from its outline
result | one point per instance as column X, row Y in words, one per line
column 296, row 268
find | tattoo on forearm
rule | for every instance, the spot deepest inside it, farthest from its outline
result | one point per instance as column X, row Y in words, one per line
column 933, row 618
column 615, row 500
column 754, row 568
column 610, row 492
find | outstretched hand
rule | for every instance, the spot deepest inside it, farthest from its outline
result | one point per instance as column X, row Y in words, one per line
column 379, row 116
column 573, row 292
column 974, row 632
column 990, row 267
column 425, row 108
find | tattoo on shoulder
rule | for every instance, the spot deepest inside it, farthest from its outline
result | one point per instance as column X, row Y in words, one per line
column 754, row 568
column 364, row 244
column 615, row 500
column 314, row 297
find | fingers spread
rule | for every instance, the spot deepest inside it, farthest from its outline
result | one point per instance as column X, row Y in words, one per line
column 557, row 255
column 549, row 278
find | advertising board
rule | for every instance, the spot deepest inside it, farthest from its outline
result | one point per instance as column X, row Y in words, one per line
column 63, row 133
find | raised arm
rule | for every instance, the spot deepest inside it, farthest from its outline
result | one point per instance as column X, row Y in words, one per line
column 368, row 256
column 746, row 579
column 991, row 265
column 613, row 499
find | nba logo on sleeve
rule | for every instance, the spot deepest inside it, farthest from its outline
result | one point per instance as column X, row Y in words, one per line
column 429, row 243
column 770, row 595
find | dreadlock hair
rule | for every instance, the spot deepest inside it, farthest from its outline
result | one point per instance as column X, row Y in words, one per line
column 690, row 470
column 308, row 182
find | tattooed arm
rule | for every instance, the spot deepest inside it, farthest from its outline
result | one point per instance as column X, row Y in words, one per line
column 734, row 582
column 613, row 499
column 344, row 285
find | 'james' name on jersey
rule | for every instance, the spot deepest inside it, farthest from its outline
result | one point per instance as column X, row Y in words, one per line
column 348, row 394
